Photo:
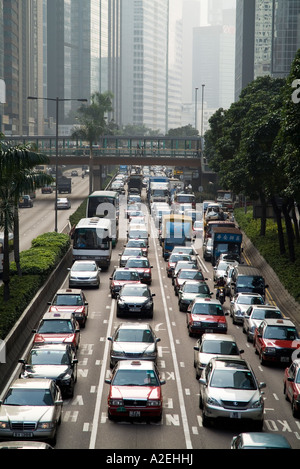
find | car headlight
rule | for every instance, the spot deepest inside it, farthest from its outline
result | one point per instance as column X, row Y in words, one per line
column 196, row 323
column 66, row 377
column 222, row 325
column 270, row 350
column 258, row 403
column 46, row 425
column 154, row 403
column 213, row 401
column 118, row 402
column 4, row 425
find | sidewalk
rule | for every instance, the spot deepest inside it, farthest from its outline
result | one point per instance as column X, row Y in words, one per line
column 285, row 302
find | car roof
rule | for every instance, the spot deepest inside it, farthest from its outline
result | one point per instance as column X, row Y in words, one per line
column 32, row 383
column 136, row 365
column 207, row 300
column 263, row 439
column 217, row 337
column 134, row 325
column 71, row 291
column 279, row 322
column 63, row 316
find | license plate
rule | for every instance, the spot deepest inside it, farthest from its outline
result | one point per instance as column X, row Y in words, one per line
column 23, row 435
column 235, row 415
column 209, row 330
column 135, row 310
column 134, row 413
column 284, row 359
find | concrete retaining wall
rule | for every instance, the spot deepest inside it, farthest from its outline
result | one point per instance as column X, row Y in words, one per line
column 19, row 337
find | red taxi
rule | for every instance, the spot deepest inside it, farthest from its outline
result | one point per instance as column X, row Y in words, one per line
column 142, row 265
column 291, row 386
column 135, row 391
column 120, row 277
column 275, row 340
column 58, row 328
column 174, row 258
column 206, row 315
column 71, row 300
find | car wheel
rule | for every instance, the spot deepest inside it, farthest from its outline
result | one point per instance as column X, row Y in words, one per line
column 261, row 359
column 205, row 420
column 294, row 409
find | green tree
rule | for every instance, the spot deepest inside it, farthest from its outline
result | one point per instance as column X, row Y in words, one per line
column 17, row 175
column 93, row 124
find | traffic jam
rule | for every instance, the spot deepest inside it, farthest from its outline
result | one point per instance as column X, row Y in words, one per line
column 32, row 409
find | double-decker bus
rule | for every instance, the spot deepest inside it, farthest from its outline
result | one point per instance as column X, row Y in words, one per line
column 92, row 240
column 105, row 204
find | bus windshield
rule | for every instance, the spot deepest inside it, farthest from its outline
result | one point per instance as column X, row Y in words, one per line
column 91, row 238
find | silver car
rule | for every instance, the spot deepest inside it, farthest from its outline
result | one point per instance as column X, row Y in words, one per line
column 230, row 391
column 133, row 341
column 31, row 410
column 214, row 345
column 84, row 274
column 255, row 315
column 127, row 253
column 241, row 302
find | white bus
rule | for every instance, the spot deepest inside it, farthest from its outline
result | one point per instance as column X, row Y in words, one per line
column 105, row 204
column 92, row 239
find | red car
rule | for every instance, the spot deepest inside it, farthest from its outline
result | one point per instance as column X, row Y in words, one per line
column 275, row 340
column 71, row 300
column 58, row 328
column 120, row 277
column 291, row 386
column 142, row 265
column 173, row 259
column 135, row 391
column 206, row 315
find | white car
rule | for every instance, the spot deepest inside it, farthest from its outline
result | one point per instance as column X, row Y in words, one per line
column 241, row 302
column 63, row 203
column 84, row 274
column 32, row 410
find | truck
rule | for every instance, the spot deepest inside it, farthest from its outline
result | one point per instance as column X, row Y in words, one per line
column 159, row 192
column 176, row 230
column 64, row 184
column 135, row 183
column 226, row 240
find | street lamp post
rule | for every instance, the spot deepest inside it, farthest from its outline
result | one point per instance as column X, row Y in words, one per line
column 57, row 101
column 196, row 107
column 203, row 86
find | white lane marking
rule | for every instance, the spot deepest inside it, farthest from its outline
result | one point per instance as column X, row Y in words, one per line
column 175, row 362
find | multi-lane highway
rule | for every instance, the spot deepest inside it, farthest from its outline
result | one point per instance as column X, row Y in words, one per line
column 85, row 424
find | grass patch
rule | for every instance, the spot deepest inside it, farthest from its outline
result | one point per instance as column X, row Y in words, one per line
column 268, row 246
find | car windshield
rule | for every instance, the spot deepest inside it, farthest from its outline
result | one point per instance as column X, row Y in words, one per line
column 186, row 264
column 55, row 326
column 265, row 314
column 222, row 266
column 135, row 378
column 68, row 300
column 136, row 243
column 179, row 257
column 137, row 263
column 208, row 309
column 281, row 333
column 29, row 397
column 249, row 300
column 134, row 335
column 125, row 275
column 128, row 290
column 49, row 357
column 233, row 379
column 250, row 281
column 138, row 234
column 191, row 275
column 132, row 252
column 196, row 288
column 219, row 347
column 84, row 267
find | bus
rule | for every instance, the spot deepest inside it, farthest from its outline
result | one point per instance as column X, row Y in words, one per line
column 105, row 204
column 92, row 239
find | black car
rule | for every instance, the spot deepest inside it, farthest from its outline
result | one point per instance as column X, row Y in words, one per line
column 135, row 300
column 53, row 361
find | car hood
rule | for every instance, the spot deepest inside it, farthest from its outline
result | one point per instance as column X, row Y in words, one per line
column 133, row 347
column 26, row 413
column 241, row 307
column 208, row 318
column 67, row 309
column 236, row 395
column 46, row 371
column 135, row 392
column 134, row 299
column 192, row 296
column 83, row 274
column 122, row 282
column 292, row 344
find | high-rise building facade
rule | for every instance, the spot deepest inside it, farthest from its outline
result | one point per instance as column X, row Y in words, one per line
column 268, row 37
column 144, row 51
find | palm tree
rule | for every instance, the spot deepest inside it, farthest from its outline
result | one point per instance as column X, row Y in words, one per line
column 93, row 124
column 17, row 175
